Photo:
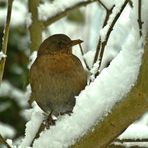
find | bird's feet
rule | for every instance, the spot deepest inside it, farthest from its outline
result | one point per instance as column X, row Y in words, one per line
column 49, row 121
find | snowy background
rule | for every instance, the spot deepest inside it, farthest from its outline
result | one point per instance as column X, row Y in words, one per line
column 124, row 51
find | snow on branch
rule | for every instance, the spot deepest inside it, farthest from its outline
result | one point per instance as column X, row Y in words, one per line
column 2, row 55
column 107, row 29
column 58, row 10
column 108, row 13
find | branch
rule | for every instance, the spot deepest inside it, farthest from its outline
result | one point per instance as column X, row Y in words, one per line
column 41, row 128
column 62, row 13
column 121, row 143
column 35, row 29
column 140, row 23
column 2, row 140
column 131, row 3
column 108, row 13
column 131, row 140
column 83, row 57
column 104, row 43
column 45, row 124
column 5, row 39
column 123, row 114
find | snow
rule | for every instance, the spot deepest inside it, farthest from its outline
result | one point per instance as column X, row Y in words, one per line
column 32, row 58
column 137, row 130
column 115, row 11
column 132, row 144
column 6, row 130
column 32, row 126
column 28, row 19
column 2, row 55
column 54, row 8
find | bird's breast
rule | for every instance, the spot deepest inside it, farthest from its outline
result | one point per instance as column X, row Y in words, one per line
column 57, row 63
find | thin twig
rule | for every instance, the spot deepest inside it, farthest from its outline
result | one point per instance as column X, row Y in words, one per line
column 41, row 128
column 108, row 12
column 104, row 43
column 131, row 3
column 44, row 125
column 62, row 13
column 100, row 2
column 83, row 57
column 2, row 140
column 140, row 23
column 5, row 39
column 132, row 140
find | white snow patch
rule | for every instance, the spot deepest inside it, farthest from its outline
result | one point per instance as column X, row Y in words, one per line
column 7, row 130
column 2, row 55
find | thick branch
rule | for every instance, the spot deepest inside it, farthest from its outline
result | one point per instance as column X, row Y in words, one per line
column 62, row 13
column 35, row 29
column 5, row 39
column 123, row 114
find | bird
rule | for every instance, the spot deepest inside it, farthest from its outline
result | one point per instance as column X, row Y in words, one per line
column 57, row 76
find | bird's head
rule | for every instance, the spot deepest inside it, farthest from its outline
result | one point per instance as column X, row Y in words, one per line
column 57, row 43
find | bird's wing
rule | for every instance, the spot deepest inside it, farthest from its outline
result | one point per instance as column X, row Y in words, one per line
column 56, row 78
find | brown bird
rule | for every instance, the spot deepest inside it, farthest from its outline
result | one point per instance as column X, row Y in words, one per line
column 57, row 76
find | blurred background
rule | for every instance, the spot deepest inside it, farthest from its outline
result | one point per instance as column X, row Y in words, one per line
column 12, row 90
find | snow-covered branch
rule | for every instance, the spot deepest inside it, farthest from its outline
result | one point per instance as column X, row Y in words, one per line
column 108, row 29
column 108, row 13
column 62, row 11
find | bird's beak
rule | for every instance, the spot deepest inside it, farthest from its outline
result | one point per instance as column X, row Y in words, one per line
column 74, row 42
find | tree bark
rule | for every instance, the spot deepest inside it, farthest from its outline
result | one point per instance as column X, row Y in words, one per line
column 36, row 27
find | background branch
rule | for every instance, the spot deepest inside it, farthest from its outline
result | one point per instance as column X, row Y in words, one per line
column 5, row 39
column 62, row 13
column 36, row 28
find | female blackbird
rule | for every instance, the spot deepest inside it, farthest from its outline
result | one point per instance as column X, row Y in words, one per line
column 57, row 75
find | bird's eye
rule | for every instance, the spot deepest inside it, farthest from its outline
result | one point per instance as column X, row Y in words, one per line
column 61, row 44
